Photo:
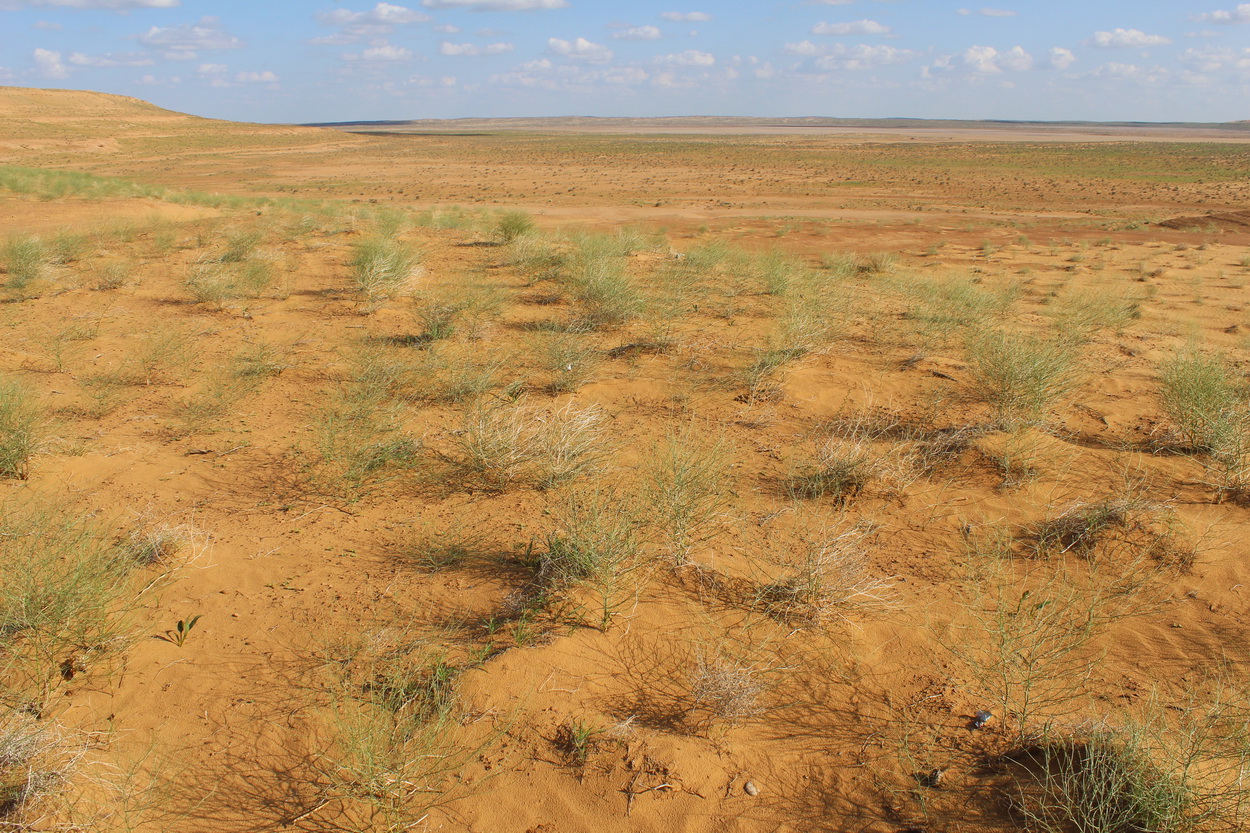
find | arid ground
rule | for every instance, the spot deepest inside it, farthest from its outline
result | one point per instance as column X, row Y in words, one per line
column 675, row 478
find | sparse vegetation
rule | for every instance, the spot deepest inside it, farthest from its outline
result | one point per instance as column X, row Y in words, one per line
column 26, row 260
column 684, row 491
column 22, row 426
column 827, row 578
column 726, row 688
column 392, row 749
column 595, row 544
column 603, row 291
column 382, row 268
column 65, row 594
column 1211, row 414
column 513, row 224
column 1022, row 378
column 505, row 443
column 663, row 508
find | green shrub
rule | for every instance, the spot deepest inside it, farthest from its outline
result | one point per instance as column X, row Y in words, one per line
column 1212, row 415
column 1083, row 313
column 64, row 595
column 1203, row 400
column 512, row 224
column 684, row 491
column 383, row 267
column 360, row 443
column 161, row 355
column 393, row 747
column 594, row 545
column 567, row 361
column 952, row 303
column 600, row 285
column 21, row 429
column 1021, row 377
column 212, row 284
column 1106, row 783
column 240, row 245
column 113, row 276
column 26, row 260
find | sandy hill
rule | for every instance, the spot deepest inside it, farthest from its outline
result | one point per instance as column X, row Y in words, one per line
column 78, row 105
column 51, row 123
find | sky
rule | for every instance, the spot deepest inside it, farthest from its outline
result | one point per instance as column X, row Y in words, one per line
column 322, row 60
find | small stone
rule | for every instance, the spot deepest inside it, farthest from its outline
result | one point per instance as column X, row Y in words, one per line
column 981, row 718
column 750, row 789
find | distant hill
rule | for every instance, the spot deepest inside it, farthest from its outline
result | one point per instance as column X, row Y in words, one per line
column 796, row 125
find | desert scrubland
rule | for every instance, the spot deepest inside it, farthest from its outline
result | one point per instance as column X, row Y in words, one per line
column 519, row 481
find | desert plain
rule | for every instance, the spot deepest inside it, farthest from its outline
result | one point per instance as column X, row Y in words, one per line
column 676, row 475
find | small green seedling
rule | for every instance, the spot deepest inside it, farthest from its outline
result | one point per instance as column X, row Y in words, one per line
column 579, row 740
column 178, row 635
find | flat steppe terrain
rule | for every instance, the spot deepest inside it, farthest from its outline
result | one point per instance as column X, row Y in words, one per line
column 643, row 477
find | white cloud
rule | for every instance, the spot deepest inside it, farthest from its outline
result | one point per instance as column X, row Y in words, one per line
column 639, row 33
column 1241, row 14
column 383, row 14
column 986, row 60
column 981, row 59
column 49, row 64
column 624, row 76
column 804, row 48
column 580, row 49
column 496, row 5
column 856, row 27
column 1015, row 60
column 1118, row 70
column 129, row 59
column 544, row 75
column 265, row 77
column 386, row 52
column 1115, row 71
column 211, row 69
column 1127, row 39
column 864, row 56
column 446, row 29
column 688, row 58
column 48, row 25
column 1217, row 59
column 988, row 12
column 686, row 17
column 377, row 22
column 473, row 50
column 183, row 42
column 1061, row 58
column 428, row 82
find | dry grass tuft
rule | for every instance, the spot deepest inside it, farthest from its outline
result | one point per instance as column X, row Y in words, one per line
column 831, row 581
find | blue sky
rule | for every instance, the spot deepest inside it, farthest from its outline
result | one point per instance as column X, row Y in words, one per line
column 314, row 60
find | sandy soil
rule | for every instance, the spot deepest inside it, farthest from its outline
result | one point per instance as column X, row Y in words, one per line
column 708, row 702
